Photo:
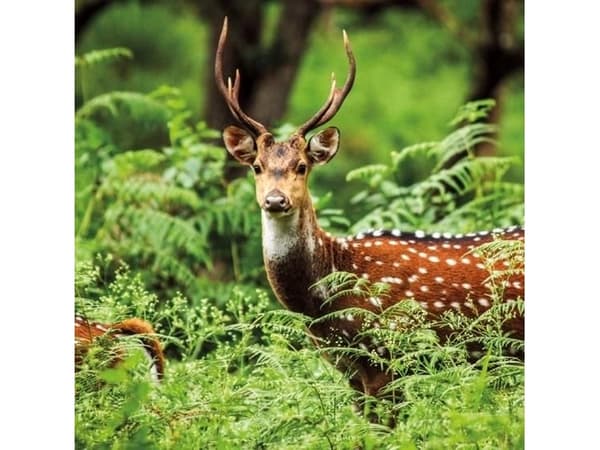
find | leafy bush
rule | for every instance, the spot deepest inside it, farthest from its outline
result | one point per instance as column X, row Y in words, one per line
column 462, row 191
column 261, row 384
column 164, row 211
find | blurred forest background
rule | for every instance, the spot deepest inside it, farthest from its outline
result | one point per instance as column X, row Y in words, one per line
column 418, row 61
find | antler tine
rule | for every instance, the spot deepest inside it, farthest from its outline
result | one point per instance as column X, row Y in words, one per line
column 312, row 122
column 336, row 96
column 231, row 93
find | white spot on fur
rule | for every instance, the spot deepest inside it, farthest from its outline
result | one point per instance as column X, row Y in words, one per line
column 409, row 293
column 422, row 270
column 396, row 232
column 466, row 286
column 405, row 257
column 420, row 234
column 375, row 301
column 434, row 259
column 438, row 304
column 465, row 261
column 424, row 289
column 451, row 262
column 483, row 302
column 423, row 255
column 439, row 280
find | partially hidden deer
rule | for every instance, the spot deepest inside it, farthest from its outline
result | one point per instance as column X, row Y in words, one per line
column 439, row 270
column 86, row 332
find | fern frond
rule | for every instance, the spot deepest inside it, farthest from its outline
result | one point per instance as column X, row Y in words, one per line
column 101, row 56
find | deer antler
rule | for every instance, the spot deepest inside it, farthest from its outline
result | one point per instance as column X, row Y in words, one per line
column 231, row 93
column 336, row 95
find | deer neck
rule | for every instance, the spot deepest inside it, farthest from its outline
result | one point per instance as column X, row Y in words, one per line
column 297, row 254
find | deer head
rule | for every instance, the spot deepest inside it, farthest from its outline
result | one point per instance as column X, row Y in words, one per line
column 281, row 169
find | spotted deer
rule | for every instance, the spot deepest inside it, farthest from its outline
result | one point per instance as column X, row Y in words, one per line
column 86, row 332
column 440, row 271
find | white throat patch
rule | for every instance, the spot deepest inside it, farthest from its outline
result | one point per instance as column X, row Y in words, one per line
column 281, row 235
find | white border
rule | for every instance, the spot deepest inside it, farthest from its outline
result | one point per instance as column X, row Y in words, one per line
column 36, row 186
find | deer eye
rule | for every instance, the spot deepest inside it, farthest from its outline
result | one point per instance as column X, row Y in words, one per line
column 257, row 169
column 301, row 170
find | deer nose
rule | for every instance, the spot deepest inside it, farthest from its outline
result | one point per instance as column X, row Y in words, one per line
column 276, row 201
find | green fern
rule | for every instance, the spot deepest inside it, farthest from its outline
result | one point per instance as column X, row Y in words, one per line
column 101, row 56
column 461, row 192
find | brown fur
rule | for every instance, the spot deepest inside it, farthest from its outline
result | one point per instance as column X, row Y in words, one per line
column 86, row 332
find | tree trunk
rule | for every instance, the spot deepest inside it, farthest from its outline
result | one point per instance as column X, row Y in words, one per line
column 272, row 91
column 267, row 71
column 497, row 57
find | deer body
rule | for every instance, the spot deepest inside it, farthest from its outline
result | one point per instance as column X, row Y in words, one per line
column 440, row 271
column 86, row 332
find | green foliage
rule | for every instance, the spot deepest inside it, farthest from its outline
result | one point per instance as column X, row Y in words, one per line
column 259, row 383
column 165, row 211
column 461, row 192
column 98, row 56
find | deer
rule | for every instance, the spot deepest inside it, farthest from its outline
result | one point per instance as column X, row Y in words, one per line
column 440, row 271
column 87, row 332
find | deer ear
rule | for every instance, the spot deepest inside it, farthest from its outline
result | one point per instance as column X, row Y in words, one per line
column 324, row 145
column 240, row 144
